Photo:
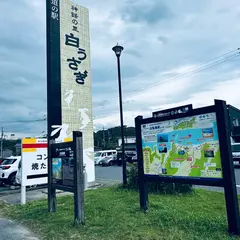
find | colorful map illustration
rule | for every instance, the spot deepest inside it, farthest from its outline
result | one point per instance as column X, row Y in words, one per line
column 185, row 147
column 57, row 168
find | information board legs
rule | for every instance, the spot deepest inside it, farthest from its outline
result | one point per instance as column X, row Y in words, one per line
column 143, row 195
column 51, row 199
column 23, row 194
column 143, row 190
column 51, row 190
column 78, row 179
column 228, row 168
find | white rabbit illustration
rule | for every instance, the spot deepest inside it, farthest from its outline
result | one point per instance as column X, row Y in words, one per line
column 84, row 118
column 69, row 96
column 87, row 153
column 63, row 132
column 88, row 159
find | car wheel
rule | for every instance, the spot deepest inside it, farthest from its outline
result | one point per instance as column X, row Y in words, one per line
column 110, row 163
column 12, row 179
column 119, row 164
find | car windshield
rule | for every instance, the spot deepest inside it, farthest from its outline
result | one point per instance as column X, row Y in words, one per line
column 98, row 154
column 236, row 148
column 8, row 161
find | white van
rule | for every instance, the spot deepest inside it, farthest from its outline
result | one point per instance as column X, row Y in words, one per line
column 100, row 155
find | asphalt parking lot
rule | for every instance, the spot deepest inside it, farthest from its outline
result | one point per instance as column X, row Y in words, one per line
column 113, row 174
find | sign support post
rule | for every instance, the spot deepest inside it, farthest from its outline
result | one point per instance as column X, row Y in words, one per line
column 23, row 187
column 143, row 190
column 54, row 111
column 51, row 190
column 78, row 179
column 23, row 194
column 230, row 190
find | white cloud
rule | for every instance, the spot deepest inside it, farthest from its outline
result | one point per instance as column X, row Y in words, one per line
column 227, row 90
column 156, row 48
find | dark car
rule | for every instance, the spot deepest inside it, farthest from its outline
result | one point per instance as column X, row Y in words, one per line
column 128, row 157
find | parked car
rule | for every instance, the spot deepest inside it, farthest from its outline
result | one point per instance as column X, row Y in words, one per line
column 8, row 169
column 109, row 161
column 128, row 158
column 1, row 160
column 134, row 159
column 19, row 173
column 100, row 155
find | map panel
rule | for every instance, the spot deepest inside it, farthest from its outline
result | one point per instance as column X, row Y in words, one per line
column 184, row 147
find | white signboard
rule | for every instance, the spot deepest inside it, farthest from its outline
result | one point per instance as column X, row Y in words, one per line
column 76, row 84
column 34, row 169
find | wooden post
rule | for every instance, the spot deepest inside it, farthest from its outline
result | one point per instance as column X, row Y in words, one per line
column 143, row 190
column 78, row 179
column 230, row 189
column 51, row 190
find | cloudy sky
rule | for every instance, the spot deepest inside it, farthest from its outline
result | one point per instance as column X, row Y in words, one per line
column 166, row 62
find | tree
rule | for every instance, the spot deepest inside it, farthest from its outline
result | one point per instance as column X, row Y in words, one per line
column 108, row 139
column 10, row 144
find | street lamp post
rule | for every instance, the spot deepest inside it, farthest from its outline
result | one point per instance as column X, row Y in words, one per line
column 118, row 49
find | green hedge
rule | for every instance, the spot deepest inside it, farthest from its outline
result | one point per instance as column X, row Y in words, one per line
column 161, row 187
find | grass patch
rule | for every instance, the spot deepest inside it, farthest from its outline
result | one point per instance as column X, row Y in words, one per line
column 113, row 213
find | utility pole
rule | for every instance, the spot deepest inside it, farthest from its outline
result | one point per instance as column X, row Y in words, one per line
column 103, row 137
column 2, row 143
column 108, row 138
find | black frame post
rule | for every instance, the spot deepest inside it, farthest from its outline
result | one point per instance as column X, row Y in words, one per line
column 51, row 189
column 54, row 110
column 124, row 165
column 143, row 190
column 78, row 179
column 228, row 168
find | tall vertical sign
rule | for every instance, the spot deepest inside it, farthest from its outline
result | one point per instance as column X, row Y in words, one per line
column 69, row 76
column 76, row 85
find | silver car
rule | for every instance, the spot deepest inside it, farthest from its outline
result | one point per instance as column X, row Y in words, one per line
column 109, row 161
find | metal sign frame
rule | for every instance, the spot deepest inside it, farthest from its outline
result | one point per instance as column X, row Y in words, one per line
column 172, row 111
column 55, row 147
column 78, row 185
column 228, row 180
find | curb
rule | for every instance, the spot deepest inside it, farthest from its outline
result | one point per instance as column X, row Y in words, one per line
column 13, row 191
column 95, row 186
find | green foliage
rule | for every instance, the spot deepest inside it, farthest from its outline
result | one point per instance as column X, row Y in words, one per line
column 112, row 213
column 154, row 187
column 10, row 144
column 107, row 139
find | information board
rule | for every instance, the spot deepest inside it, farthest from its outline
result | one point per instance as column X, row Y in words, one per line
column 34, row 168
column 184, row 147
column 63, row 166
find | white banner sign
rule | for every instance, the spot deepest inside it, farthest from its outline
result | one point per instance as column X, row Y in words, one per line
column 34, row 169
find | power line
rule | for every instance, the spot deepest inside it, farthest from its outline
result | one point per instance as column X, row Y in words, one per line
column 189, row 73
column 200, row 67
column 24, row 121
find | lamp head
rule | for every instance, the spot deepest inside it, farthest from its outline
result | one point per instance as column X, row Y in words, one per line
column 117, row 49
